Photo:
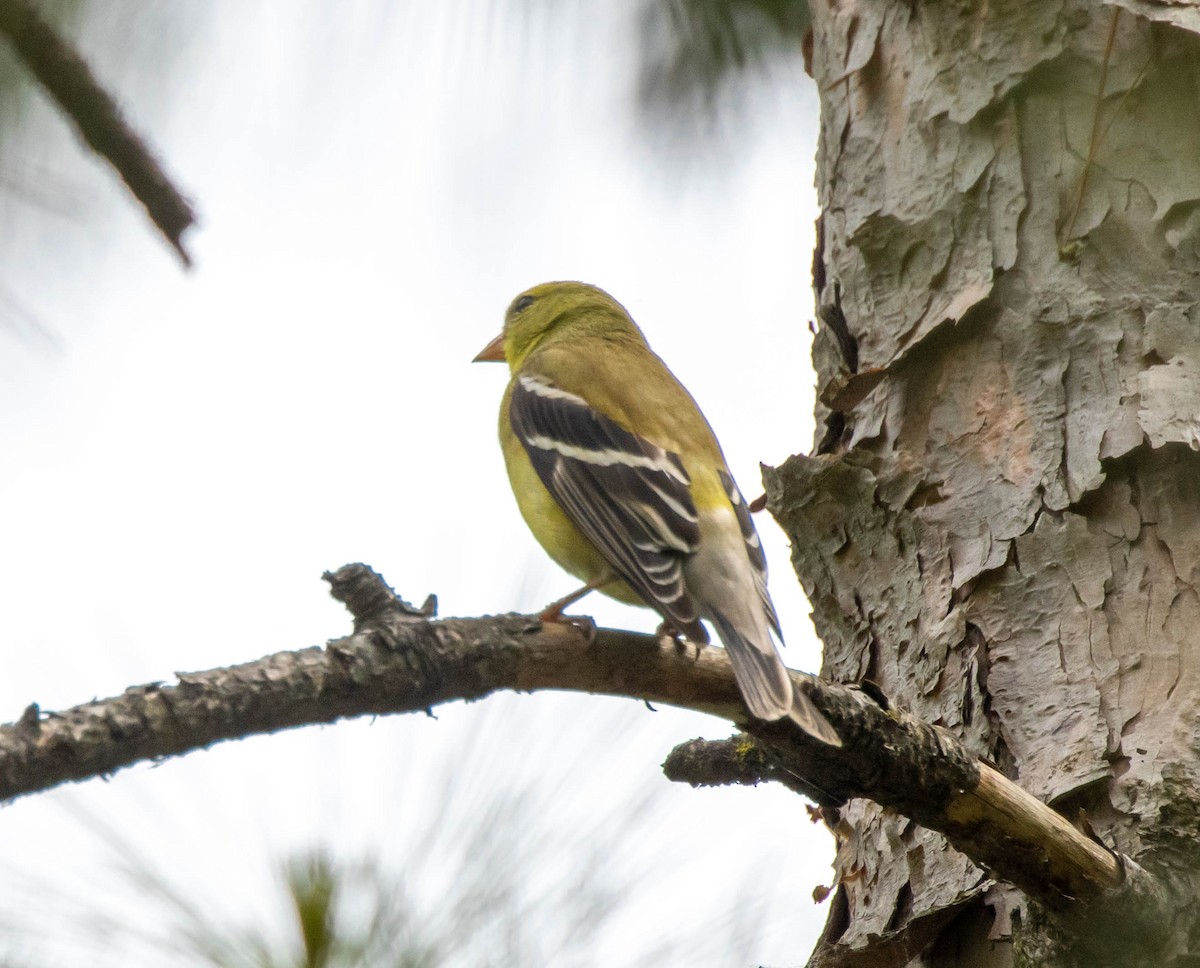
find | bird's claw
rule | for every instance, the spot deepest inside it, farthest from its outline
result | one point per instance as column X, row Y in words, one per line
column 666, row 631
column 583, row 623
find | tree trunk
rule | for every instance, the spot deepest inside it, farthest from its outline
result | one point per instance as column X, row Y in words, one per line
column 1004, row 533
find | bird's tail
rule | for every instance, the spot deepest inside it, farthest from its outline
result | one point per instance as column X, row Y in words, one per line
column 765, row 685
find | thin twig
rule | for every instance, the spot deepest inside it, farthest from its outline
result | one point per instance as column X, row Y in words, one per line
column 68, row 80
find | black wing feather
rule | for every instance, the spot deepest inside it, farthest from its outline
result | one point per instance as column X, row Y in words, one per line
column 629, row 496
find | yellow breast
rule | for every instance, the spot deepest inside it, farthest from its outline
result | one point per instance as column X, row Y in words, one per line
column 554, row 531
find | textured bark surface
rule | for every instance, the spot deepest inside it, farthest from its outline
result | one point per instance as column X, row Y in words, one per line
column 1006, row 537
column 400, row 660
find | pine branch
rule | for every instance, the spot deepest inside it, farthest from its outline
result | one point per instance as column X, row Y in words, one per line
column 399, row 659
column 65, row 76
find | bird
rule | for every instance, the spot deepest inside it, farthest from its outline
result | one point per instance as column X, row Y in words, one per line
column 621, row 480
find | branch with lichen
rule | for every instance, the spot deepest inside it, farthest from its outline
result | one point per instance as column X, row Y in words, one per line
column 400, row 659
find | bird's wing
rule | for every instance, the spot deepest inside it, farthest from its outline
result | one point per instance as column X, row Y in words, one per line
column 628, row 496
column 754, row 549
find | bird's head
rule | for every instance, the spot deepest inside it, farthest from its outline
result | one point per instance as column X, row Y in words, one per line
column 553, row 311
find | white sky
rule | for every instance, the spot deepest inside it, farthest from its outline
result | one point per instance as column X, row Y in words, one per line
column 376, row 181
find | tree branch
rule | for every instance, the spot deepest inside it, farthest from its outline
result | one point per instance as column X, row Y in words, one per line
column 66, row 78
column 400, row 660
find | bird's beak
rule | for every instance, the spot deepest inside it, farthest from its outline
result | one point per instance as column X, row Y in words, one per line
column 493, row 352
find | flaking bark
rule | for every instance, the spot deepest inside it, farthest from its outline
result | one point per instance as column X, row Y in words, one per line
column 1004, row 533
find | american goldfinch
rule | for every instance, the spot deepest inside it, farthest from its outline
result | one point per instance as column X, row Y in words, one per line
column 620, row 478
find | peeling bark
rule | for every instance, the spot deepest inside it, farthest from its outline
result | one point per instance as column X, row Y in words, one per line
column 1006, row 537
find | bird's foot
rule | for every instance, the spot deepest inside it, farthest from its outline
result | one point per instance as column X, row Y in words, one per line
column 585, row 623
column 667, row 631
column 554, row 613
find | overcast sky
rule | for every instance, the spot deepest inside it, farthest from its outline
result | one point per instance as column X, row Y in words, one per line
column 188, row 452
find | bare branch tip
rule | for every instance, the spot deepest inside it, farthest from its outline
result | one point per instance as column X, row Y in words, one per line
column 370, row 599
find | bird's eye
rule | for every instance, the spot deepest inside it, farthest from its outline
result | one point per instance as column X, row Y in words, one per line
column 522, row 304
